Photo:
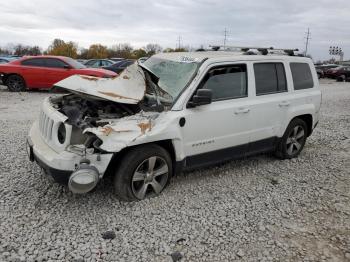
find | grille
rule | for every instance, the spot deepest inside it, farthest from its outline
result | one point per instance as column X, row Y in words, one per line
column 45, row 126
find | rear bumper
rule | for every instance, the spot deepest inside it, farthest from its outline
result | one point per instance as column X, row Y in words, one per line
column 60, row 165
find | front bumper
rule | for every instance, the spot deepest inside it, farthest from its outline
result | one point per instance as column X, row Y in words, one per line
column 60, row 165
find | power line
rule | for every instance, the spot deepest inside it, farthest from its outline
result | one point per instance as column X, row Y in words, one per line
column 308, row 38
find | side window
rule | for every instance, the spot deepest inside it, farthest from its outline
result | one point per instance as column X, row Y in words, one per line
column 90, row 63
column 270, row 78
column 55, row 63
column 96, row 64
column 108, row 63
column 34, row 62
column 130, row 63
column 227, row 82
column 302, row 76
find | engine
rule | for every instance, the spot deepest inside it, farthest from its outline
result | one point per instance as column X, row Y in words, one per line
column 84, row 112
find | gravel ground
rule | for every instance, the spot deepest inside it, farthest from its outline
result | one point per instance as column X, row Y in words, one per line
column 256, row 209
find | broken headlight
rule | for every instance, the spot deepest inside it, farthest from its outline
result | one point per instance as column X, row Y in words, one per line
column 61, row 133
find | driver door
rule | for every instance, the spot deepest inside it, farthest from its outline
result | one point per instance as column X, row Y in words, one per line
column 220, row 130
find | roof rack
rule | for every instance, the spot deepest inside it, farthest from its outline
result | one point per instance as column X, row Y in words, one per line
column 262, row 50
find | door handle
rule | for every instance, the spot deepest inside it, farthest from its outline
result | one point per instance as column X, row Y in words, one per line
column 242, row 111
column 284, row 103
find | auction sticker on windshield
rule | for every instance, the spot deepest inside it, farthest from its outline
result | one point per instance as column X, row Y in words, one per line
column 188, row 59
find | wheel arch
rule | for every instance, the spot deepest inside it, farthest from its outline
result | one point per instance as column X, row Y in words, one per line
column 6, row 76
column 166, row 144
column 308, row 119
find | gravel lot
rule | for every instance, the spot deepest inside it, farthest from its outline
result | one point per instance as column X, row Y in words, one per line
column 256, row 209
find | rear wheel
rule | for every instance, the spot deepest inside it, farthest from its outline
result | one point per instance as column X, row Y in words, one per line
column 293, row 140
column 15, row 83
column 144, row 172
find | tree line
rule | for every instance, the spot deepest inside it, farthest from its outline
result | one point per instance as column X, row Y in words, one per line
column 61, row 48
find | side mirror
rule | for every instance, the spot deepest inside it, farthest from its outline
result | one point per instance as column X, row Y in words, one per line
column 66, row 67
column 202, row 97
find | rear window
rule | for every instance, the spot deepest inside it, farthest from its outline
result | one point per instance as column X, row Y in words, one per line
column 270, row 78
column 302, row 77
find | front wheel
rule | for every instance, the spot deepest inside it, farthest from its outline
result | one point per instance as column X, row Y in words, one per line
column 15, row 83
column 144, row 172
column 293, row 140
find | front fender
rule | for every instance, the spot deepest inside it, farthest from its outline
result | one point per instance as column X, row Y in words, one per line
column 140, row 129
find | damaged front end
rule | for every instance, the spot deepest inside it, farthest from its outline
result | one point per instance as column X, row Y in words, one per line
column 126, row 105
column 99, row 117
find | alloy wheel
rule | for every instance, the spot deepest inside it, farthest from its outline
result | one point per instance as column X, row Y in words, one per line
column 15, row 84
column 150, row 177
column 295, row 140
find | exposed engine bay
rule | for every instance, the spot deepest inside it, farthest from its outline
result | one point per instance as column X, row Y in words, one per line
column 84, row 112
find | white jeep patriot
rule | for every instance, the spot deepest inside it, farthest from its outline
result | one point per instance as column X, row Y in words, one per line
column 173, row 112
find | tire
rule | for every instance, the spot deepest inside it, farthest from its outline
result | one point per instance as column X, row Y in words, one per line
column 293, row 140
column 15, row 83
column 341, row 78
column 135, row 179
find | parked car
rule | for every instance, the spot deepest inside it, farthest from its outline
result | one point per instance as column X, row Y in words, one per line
column 176, row 111
column 97, row 63
column 320, row 73
column 325, row 67
column 119, row 66
column 4, row 60
column 117, row 59
column 142, row 59
column 41, row 72
column 81, row 61
column 333, row 72
column 343, row 74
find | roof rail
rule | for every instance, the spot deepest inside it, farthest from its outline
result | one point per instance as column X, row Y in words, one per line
column 262, row 50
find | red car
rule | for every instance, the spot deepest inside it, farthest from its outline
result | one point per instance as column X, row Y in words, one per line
column 42, row 72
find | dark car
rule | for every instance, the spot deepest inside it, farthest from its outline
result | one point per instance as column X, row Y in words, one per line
column 333, row 72
column 119, row 66
column 325, row 68
column 117, row 59
column 320, row 73
column 97, row 63
column 4, row 60
column 343, row 74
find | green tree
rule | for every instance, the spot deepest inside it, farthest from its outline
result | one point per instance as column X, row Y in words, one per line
column 97, row 51
column 138, row 53
column 61, row 48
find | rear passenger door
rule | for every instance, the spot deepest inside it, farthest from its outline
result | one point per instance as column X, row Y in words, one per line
column 269, row 105
column 33, row 70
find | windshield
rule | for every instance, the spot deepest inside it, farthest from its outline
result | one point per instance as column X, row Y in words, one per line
column 173, row 75
column 75, row 64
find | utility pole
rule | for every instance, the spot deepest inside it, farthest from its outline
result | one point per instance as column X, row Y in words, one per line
column 179, row 39
column 225, row 38
column 308, row 38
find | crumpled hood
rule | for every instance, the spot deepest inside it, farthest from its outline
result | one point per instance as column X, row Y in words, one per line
column 129, row 87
